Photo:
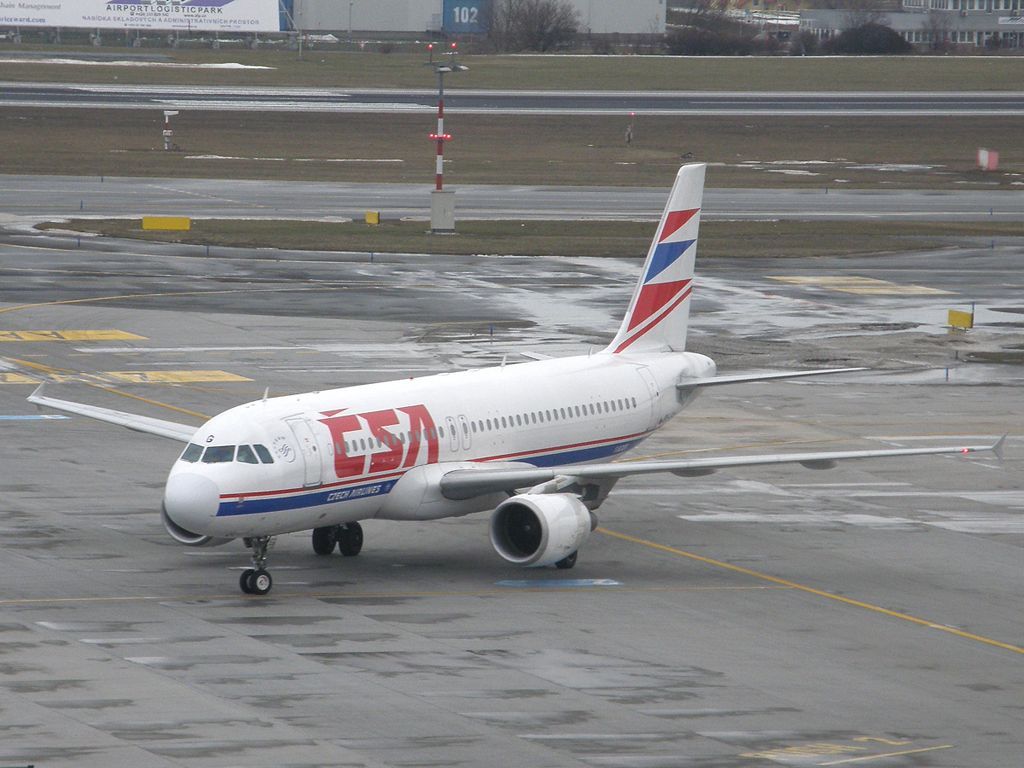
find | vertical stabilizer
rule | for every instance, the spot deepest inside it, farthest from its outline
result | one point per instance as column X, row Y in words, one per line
column 658, row 313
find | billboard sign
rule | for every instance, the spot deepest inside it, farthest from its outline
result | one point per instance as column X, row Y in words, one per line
column 182, row 15
column 464, row 17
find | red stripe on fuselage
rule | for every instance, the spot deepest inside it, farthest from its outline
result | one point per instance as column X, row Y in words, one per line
column 483, row 460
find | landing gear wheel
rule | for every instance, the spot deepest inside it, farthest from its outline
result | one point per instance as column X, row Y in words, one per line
column 256, row 580
column 245, row 580
column 350, row 539
column 567, row 562
column 324, row 540
column 261, row 582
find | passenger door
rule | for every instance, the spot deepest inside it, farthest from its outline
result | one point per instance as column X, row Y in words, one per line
column 308, row 449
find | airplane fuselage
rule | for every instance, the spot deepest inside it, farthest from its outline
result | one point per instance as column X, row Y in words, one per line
column 327, row 458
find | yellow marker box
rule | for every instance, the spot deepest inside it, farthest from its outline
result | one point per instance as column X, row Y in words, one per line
column 373, row 217
column 166, row 222
column 959, row 319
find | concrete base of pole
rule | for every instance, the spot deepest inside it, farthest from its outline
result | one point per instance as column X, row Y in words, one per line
column 442, row 211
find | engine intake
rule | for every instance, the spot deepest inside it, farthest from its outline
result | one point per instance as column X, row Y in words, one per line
column 186, row 537
column 534, row 530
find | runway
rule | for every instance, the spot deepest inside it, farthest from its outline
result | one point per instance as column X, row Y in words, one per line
column 868, row 615
column 468, row 101
column 42, row 197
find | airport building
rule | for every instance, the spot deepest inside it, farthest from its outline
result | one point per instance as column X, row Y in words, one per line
column 937, row 22
column 464, row 16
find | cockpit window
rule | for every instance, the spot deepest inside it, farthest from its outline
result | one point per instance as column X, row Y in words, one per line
column 245, row 455
column 192, row 453
column 218, row 454
column 263, row 453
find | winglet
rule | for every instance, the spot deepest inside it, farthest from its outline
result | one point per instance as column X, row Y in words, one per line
column 997, row 449
column 39, row 391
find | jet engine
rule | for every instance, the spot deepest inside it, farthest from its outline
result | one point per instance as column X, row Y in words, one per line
column 535, row 530
column 186, row 537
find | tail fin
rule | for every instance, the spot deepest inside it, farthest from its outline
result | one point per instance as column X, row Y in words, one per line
column 658, row 313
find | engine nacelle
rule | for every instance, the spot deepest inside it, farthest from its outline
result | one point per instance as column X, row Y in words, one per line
column 535, row 530
column 186, row 537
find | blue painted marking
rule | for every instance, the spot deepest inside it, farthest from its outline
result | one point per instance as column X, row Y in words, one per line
column 33, row 417
column 580, row 455
column 664, row 256
column 333, row 496
column 561, row 583
column 302, row 501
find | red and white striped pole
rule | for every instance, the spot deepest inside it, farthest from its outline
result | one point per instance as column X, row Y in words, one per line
column 441, row 136
column 440, row 130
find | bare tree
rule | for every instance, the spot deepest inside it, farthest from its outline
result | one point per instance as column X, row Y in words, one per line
column 532, row 25
column 937, row 29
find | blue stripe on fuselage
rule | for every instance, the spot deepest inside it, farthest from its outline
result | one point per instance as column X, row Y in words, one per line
column 319, row 497
column 313, row 499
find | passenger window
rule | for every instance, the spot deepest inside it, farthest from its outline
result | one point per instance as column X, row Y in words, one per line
column 533, row 417
column 620, row 405
column 519, row 420
column 263, row 453
column 634, row 401
column 192, row 453
column 245, row 455
column 488, row 425
column 502, row 422
column 577, row 411
column 440, row 431
column 218, row 454
column 473, row 424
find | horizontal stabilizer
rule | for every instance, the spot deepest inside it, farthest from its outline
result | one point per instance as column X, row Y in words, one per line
column 150, row 426
column 744, row 378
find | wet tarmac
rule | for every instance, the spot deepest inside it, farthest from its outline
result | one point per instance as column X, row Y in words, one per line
column 868, row 615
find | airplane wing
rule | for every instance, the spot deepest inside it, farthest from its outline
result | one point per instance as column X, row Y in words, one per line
column 742, row 378
column 150, row 426
column 467, row 483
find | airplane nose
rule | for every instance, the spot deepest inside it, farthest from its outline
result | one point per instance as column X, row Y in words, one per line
column 191, row 502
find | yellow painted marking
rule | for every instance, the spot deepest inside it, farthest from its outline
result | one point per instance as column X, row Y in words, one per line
column 173, row 294
column 363, row 595
column 16, row 378
column 373, row 217
column 864, row 286
column 151, row 402
column 807, row 750
column 889, row 754
column 173, row 377
column 38, row 366
column 166, row 222
column 111, row 335
column 958, row 319
column 818, row 592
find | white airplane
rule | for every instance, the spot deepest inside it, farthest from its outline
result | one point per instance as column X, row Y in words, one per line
column 533, row 442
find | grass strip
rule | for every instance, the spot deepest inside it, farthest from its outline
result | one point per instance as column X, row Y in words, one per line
column 331, row 67
column 629, row 239
column 749, row 152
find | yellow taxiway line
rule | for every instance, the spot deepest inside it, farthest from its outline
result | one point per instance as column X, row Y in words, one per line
column 818, row 592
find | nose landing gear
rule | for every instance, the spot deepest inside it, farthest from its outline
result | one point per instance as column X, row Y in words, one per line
column 256, row 580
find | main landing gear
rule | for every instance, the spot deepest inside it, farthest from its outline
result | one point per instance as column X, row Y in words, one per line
column 348, row 537
column 567, row 562
column 256, row 580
